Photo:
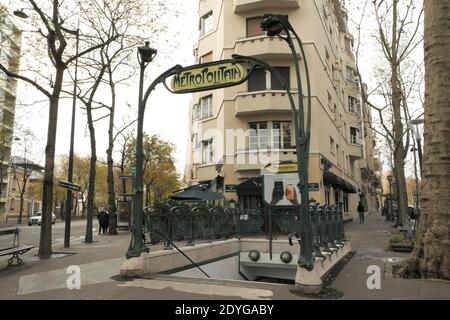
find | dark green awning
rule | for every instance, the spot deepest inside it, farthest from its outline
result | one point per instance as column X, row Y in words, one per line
column 196, row 193
column 330, row 179
column 348, row 187
column 251, row 187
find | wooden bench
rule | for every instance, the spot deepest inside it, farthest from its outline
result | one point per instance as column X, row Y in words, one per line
column 16, row 249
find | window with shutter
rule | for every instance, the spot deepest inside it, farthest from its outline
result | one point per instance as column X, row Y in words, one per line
column 254, row 27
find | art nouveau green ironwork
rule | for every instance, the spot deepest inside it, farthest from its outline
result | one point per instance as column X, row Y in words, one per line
column 182, row 222
column 200, row 78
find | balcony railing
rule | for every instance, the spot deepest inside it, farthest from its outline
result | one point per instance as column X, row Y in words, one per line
column 263, row 47
column 262, row 102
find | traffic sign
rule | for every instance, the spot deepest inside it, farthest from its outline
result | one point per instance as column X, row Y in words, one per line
column 125, row 177
column 69, row 185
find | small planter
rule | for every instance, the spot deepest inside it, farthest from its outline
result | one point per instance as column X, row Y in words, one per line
column 402, row 247
column 400, row 243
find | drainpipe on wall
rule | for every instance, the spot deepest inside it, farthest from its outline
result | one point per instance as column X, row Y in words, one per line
column 363, row 129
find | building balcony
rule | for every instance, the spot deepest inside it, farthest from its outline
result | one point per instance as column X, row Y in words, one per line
column 363, row 164
column 250, row 5
column 9, row 86
column 260, row 102
column 355, row 151
column 365, row 167
column 263, row 47
column 206, row 172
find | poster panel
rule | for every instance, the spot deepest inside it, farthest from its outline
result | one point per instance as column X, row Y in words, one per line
column 124, row 213
column 280, row 184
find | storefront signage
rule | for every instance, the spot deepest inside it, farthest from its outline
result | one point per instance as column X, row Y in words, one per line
column 208, row 76
column 231, row 188
column 282, row 167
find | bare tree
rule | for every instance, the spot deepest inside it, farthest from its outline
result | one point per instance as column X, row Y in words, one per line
column 398, row 34
column 53, row 38
column 122, row 164
column 115, row 64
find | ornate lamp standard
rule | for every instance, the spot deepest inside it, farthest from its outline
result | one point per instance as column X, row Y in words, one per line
column 279, row 26
column 414, row 124
column 145, row 56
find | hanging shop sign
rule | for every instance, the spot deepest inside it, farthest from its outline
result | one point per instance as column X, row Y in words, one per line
column 209, row 76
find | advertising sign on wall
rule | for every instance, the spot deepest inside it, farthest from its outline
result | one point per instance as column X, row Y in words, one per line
column 280, row 184
column 124, row 213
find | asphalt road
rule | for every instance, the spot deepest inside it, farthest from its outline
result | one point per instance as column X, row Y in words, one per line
column 29, row 235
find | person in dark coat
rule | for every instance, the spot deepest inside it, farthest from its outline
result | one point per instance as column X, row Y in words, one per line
column 105, row 222
column 361, row 211
column 100, row 218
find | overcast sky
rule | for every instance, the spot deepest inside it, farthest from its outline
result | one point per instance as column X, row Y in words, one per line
column 167, row 114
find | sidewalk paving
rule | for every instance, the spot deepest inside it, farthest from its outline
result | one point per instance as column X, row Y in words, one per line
column 100, row 262
column 371, row 243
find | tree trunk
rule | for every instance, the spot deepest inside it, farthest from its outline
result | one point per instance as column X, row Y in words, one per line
column 109, row 152
column 1, row 177
column 92, row 173
column 45, row 241
column 431, row 255
column 399, row 149
column 147, row 196
column 20, row 208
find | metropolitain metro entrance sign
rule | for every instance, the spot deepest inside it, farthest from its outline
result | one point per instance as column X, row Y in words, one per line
column 209, row 76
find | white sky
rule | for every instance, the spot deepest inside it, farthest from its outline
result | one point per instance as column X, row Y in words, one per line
column 167, row 114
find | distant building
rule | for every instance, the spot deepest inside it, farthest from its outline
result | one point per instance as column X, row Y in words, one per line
column 343, row 165
column 10, row 44
column 32, row 196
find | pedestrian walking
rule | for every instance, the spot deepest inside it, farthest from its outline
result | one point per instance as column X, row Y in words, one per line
column 105, row 222
column 100, row 221
column 361, row 211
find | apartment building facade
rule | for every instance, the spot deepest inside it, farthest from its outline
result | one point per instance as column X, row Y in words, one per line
column 10, row 40
column 235, row 132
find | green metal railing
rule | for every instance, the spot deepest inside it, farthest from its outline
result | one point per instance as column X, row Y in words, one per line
column 188, row 223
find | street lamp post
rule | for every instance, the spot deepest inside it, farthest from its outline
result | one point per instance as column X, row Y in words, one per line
column 274, row 25
column 145, row 56
column 414, row 124
column 68, row 213
column 391, row 214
